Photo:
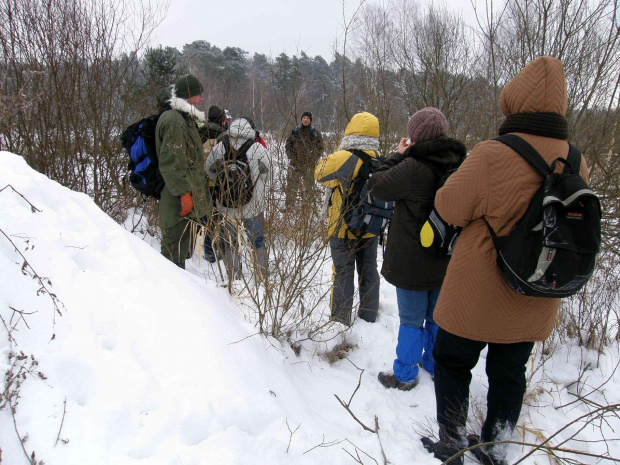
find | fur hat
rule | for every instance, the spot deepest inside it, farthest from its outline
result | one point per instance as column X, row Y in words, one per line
column 306, row 113
column 427, row 124
column 216, row 114
column 188, row 86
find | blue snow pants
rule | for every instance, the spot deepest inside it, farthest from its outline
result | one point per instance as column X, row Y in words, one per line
column 416, row 334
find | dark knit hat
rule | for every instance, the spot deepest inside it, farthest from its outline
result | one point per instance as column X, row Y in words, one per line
column 306, row 113
column 188, row 86
column 216, row 114
column 427, row 124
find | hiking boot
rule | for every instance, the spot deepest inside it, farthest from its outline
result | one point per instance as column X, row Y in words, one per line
column 442, row 450
column 432, row 376
column 389, row 380
column 368, row 316
column 482, row 453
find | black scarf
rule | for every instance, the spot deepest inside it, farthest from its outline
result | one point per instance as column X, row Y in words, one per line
column 538, row 124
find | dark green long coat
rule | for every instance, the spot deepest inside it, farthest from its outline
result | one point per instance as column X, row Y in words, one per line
column 181, row 162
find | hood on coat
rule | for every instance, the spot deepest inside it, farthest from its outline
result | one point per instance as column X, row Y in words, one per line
column 240, row 131
column 540, row 87
column 363, row 124
column 443, row 151
column 180, row 104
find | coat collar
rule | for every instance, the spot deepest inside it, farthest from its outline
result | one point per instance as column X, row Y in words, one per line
column 181, row 105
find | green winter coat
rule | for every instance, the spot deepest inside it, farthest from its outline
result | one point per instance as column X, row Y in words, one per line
column 181, row 162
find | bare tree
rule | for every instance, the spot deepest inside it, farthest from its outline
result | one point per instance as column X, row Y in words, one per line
column 75, row 63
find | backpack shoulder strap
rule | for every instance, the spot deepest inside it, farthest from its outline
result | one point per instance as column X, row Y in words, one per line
column 366, row 168
column 573, row 160
column 225, row 141
column 361, row 154
column 529, row 153
column 243, row 150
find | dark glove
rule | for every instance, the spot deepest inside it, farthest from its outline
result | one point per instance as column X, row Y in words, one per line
column 187, row 205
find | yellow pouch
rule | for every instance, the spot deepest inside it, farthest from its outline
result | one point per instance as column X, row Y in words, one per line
column 427, row 235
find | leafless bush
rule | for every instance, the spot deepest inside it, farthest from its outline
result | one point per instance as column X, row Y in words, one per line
column 70, row 77
column 23, row 366
column 285, row 300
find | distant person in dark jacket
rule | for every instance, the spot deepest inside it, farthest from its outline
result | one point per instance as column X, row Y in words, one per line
column 304, row 148
column 410, row 178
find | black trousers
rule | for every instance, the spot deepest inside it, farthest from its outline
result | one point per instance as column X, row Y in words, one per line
column 346, row 255
column 455, row 357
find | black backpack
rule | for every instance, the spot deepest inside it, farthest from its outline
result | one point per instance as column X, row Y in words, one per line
column 143, row 166
column 362, row 212
column 552, row 250
column 438, row 237
column 233, row 185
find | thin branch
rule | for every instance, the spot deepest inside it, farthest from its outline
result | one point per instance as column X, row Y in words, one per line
column 32, row 207
column 325, row 444
column 64, row 412
column 346, row 407
column 23, row 440
column 43, row 289
column 291, row 435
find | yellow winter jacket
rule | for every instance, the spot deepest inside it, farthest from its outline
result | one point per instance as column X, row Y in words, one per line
column 337, row 170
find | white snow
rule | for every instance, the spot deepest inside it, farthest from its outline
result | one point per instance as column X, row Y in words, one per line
column 160, row 366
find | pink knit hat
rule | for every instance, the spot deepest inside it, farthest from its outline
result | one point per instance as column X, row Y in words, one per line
column 427, row 124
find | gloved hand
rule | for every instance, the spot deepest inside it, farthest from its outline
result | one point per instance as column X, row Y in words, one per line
column 187, row 205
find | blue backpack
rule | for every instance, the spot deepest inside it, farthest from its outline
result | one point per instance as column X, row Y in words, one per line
column 143, row 166
column 362, row 212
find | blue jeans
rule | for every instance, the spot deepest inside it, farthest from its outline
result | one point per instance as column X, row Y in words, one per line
column 416, row 334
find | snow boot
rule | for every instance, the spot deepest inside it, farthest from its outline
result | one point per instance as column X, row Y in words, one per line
column 442, row 450
column 482, row 453
column 430, row 334
column 408, row 352
column 389, row 380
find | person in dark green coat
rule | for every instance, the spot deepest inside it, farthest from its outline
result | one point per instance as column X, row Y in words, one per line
column 181, row 160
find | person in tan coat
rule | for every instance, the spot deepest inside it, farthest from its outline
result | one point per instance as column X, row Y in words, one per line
column 476, row 307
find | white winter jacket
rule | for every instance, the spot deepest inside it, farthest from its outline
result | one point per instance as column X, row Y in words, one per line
column 260, row 164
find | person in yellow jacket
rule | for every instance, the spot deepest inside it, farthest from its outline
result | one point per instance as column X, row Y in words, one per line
column 348, row 248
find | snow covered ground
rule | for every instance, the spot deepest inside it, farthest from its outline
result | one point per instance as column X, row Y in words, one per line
column 150, row 364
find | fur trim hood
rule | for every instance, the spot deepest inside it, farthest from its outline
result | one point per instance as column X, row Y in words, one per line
column 444, row 151
column 180, row 104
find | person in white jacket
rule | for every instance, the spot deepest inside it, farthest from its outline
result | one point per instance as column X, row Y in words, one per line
column 252, row 214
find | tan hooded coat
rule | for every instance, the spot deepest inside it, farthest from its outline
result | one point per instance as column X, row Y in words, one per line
column 495, row 183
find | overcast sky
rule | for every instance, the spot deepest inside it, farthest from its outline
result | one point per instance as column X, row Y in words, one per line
column 264, row 26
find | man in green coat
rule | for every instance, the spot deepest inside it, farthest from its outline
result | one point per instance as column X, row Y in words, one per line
column 181, row 160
